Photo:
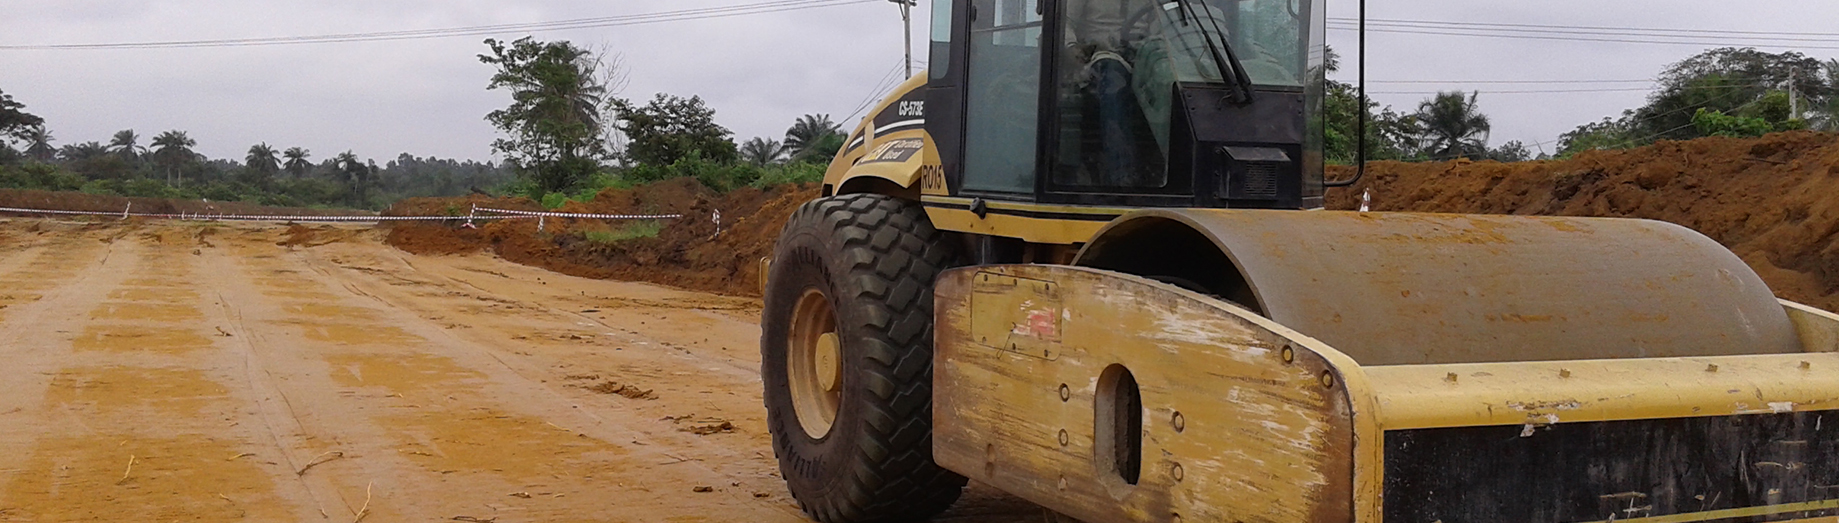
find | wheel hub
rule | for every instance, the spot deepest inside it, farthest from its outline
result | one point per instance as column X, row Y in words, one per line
column 814, row 364
column 829, row 362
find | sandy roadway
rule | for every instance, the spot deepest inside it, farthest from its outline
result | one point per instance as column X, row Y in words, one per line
column 189, row 372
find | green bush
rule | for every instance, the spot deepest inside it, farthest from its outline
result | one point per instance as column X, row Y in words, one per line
column 601, row 181
column 791, row 173
column 720, row 176
column 34, row 175
column 728, row 176
column 554, row 200
column 630, row 231
column 1716, row 123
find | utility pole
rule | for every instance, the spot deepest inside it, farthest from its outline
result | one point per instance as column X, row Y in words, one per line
column 906, row 17
column 1794, row 101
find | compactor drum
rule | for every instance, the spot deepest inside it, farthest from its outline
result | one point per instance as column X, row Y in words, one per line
column 1082, row 260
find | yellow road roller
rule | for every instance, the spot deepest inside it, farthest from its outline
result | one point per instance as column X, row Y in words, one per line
column 1082, row 259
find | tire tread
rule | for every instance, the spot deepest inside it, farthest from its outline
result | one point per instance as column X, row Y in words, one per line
column 892, row 256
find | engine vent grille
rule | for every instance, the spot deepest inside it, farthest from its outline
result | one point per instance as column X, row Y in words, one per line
column 1259, row 179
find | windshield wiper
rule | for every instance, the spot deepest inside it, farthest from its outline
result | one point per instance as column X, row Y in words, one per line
column 1228, row 61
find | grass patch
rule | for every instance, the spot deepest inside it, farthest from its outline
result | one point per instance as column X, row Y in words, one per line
column 629, row 231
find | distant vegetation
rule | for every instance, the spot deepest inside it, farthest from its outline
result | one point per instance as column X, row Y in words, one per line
column 1720, row 92
column 564, row 137
column 167, row 166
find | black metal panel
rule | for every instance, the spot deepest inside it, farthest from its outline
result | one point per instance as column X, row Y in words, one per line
column 1208, row 126
column 1274, row 116
column 944, row 109
column 1586, row 472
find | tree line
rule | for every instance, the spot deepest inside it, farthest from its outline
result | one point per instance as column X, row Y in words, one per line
column 1738, row 92
column 168, row 166
column 564, row 136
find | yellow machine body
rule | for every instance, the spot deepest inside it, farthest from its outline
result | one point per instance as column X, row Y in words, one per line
column 1244, row 365
column 1222, row 365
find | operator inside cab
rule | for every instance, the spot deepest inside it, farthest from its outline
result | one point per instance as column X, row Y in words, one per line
column 1119, row 67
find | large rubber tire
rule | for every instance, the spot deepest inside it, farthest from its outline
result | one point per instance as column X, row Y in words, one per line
column 874, row 258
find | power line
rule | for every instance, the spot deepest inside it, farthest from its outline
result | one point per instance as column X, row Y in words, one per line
column 1643, row 80
column 1562, row 91
column 887, row 81
column 1528, row 91
column 1478, row 33
column 482, row 30
column 1599, row 29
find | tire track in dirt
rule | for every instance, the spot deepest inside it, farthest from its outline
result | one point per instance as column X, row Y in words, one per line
column 697, row 354
column 444, row 423
column 133, row 419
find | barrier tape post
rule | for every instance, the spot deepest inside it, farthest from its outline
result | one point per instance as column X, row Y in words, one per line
column 717, row 218
column 124, row 210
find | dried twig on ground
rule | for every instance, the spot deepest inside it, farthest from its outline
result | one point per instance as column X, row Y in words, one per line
column 365, row 511
column 130, row 471
column 320, row 459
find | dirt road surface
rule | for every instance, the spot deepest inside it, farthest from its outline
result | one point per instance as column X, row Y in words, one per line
column 191, row 372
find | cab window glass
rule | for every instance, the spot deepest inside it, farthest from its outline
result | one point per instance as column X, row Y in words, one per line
column 940, row 60
column 1002, row 108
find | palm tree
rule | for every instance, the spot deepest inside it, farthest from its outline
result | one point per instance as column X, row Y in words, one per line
column 761, row 151
column 1454, row 126
column 262, row 158
column 173, row 149
column 38, row 144
column 357, row 175
column 807, row 132
column 126, row 143
column 260, row 166
column 82, row 151
column 297, row 163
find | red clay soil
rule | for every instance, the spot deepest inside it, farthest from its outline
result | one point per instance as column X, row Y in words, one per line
column 76, row 201
column 686, row 253
column 1773, row 200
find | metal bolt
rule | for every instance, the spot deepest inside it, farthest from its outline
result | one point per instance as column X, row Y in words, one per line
column 1450, row 378
column 1328, row 379
column 1289, row 354
column 1064, row 438
column 1564, row 373
column 1065, row 393
column 1180, row 422
column 1176, row 472
column 1711, row 368
column 1806, row 365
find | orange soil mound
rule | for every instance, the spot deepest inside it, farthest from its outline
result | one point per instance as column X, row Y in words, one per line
column 1773, row 200
column 76, row 201
column 687, row 252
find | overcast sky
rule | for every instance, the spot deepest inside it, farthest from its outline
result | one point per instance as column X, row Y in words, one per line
column 759, row 71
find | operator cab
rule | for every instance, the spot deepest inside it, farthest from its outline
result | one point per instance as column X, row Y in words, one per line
column 1132, row 103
